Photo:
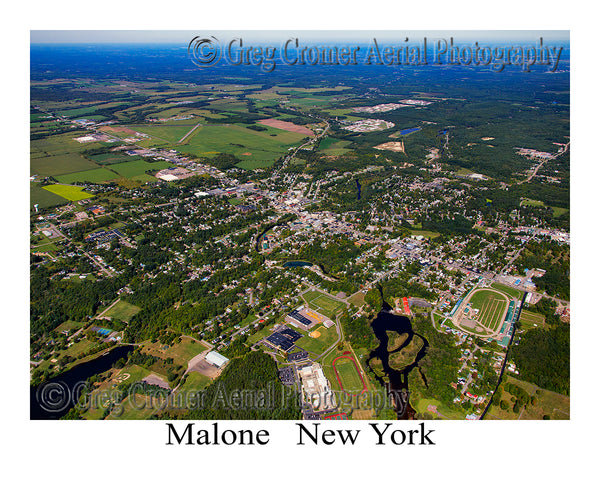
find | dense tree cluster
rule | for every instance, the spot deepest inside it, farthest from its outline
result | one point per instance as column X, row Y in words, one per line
column 253, row 381
column 543, row 358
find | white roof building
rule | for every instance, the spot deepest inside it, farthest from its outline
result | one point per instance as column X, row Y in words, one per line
column 216, row 359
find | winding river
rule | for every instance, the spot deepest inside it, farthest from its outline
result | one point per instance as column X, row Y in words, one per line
column 397, row 384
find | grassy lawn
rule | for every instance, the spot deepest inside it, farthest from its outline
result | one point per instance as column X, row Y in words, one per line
column 511, row 292
column 556, row 406
column 358, row 299
column 181, row 352
column 530, row 320
column 122, row 311
column 491, row 306
column 265, row 332
column 425, row 233
column 70, row 192
column 323, row 304
column 195, row 382
column 69, row 325
column 320, row 344
column 167, row 133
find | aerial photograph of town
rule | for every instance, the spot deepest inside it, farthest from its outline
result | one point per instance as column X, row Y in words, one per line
column 299, row 226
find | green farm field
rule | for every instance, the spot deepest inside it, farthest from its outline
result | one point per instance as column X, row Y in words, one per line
column 112, row 158
column 138, row 167
column 72, row 193
column 60, row 164
column 97, row 175
column 332, row 146
column 43, row 198
column 254, row 149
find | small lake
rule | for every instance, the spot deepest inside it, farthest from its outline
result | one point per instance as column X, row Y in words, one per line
column 55, row 397
column 297, row 263
column 409, row 130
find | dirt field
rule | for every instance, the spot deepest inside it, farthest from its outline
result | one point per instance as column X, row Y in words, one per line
column 126, row 130
column 288, row 126
column 198, row 364
column 154, row 379
column 392, row 146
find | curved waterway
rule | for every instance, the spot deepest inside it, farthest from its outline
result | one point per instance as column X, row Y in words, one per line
column 54, row 398
column 397, row 384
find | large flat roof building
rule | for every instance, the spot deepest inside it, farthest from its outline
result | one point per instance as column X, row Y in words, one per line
column 216, row 359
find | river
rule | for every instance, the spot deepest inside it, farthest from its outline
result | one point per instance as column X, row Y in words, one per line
column 397, row 384
column 54, row 398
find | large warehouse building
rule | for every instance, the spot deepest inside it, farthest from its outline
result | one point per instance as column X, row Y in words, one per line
column 216, row 359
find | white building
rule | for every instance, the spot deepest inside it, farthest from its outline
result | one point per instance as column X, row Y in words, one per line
column 216, row 359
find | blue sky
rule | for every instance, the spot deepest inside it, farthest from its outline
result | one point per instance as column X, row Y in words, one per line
column 184, row 36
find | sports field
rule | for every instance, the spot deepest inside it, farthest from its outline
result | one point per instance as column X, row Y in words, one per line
column 326, row 338
column 491, row 305
column 348, row 374
column 70, row 192
column 323, row 304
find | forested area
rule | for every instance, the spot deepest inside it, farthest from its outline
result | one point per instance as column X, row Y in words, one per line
column 254, row 381
column 543, row 358
column 552, row 257
column 439, row 366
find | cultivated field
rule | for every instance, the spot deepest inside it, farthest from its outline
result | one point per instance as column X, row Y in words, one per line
column 60, row 164
column 287, row 126
column 138, row 167
column 263, row 147
column 72, row 193
column 43, row 198
column 97, row 175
